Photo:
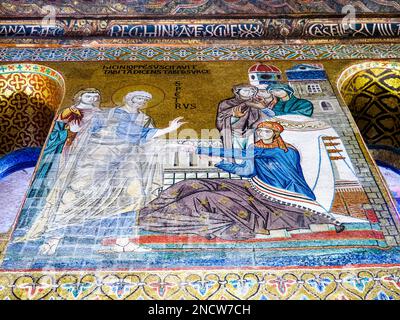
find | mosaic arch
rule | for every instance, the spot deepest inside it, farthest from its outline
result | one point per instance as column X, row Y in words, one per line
column 29, row 96
column 371, row 90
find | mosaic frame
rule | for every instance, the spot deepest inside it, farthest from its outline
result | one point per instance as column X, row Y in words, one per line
column 198, row 52
column 375, row 283
column 245, row 29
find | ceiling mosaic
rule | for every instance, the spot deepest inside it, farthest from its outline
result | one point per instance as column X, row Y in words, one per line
column 206, row 8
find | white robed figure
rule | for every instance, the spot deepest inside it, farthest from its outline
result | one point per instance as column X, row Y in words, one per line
column 113, row 167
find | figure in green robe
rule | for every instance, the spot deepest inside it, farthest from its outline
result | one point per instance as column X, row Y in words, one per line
column 288, row 103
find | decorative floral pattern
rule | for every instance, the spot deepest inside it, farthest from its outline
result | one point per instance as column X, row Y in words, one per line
column 358, row 283
column 29, row 95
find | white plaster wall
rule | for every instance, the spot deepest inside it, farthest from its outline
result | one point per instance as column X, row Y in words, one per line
column 12, row 192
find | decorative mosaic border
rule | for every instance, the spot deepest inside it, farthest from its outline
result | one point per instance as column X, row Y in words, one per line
column 190, row 7
column 33, row 68
column 300, row 284
column 275, row 28
column 202, row 53
column 352, row 70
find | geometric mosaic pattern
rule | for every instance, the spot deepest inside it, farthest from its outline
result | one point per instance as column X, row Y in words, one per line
column 29, row 95
column 373, row 96
column 203, row 53
column 296, row 284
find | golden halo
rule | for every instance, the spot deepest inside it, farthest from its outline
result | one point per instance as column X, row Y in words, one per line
column 158, row 94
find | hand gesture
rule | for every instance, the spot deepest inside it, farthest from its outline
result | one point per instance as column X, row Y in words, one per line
column 74, row 126
column 237, row 112
column 176, row 124
column 257, row 104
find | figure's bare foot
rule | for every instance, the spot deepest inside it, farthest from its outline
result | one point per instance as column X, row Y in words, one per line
column 339, row 228
column 49, row 247
column 126, row 245
column 210, row 236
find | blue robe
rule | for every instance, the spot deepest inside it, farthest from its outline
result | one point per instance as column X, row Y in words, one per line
column 273, row 166
column 127, row 128
column 54, row 146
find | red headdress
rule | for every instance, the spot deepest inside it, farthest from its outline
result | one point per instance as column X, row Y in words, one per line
column 277, row 141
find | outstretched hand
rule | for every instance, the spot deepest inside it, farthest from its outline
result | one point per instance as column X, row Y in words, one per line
column 257, row 104
column 173, row 126
column 176, row 124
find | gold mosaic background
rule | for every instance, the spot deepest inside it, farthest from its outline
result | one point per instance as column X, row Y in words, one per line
column 28, row 100
column 198, row 89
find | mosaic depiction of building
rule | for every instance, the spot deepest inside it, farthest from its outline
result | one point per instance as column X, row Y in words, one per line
column 266, row 169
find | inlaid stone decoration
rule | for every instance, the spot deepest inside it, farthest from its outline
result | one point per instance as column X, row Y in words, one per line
column 202, row 180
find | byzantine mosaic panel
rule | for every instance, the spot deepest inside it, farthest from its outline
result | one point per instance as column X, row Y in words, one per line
column 358, row 228
column 373, row 96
